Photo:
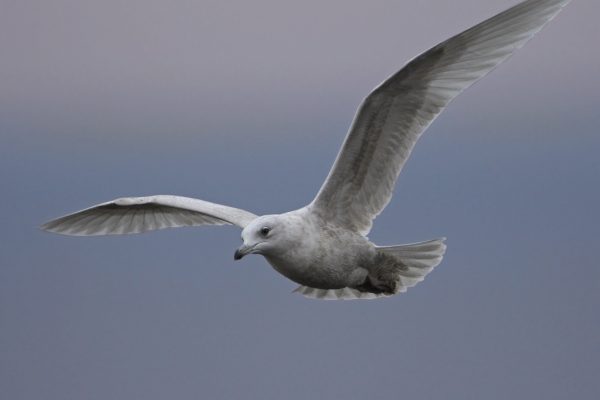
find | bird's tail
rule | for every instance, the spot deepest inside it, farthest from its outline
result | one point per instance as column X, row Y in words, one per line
column 413, row 262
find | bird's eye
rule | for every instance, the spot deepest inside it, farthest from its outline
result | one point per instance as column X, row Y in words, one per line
column 265, row 230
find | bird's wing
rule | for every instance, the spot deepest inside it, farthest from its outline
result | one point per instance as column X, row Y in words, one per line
column 141, row 214
column 392, row 117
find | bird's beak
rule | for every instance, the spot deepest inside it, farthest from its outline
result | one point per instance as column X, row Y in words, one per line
column 242, row 251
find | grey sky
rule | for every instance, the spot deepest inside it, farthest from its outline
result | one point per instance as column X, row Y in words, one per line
column 246, row 103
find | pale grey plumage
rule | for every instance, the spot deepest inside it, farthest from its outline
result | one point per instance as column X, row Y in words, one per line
column 390, row 119
column 323, row 246
column 141, row 214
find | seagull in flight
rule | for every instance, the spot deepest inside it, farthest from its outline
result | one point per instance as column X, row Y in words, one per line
column 323, row 246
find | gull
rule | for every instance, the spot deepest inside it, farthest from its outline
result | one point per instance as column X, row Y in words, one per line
column 324, row 246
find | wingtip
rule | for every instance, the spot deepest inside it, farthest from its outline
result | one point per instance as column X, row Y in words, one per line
column 45, row 227
column 52, row 227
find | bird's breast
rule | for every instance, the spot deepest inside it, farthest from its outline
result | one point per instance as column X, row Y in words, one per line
column 328, row 262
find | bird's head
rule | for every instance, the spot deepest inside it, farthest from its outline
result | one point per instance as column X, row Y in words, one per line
column 261, row 236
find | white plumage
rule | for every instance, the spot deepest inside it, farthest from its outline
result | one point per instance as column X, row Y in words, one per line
column 323, row 246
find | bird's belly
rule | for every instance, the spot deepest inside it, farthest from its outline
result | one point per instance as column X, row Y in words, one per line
column 320, row 275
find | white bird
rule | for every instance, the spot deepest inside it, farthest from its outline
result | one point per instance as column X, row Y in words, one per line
column 323, row 246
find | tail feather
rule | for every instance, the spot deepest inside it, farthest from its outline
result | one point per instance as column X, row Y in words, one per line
column 417, row 260
column 422, row 250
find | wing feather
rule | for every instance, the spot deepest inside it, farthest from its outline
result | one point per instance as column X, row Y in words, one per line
column 391, row 119
column 141, row 214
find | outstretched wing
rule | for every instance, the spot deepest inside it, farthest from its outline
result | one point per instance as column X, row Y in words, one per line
column 141, row 214
column 391, row 119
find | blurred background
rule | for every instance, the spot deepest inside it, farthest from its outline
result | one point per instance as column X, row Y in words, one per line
column 246, row 104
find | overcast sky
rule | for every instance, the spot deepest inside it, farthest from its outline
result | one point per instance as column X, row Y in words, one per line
column 246, row 103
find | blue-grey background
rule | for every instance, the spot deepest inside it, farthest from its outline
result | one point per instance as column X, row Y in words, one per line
column 246, row 103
